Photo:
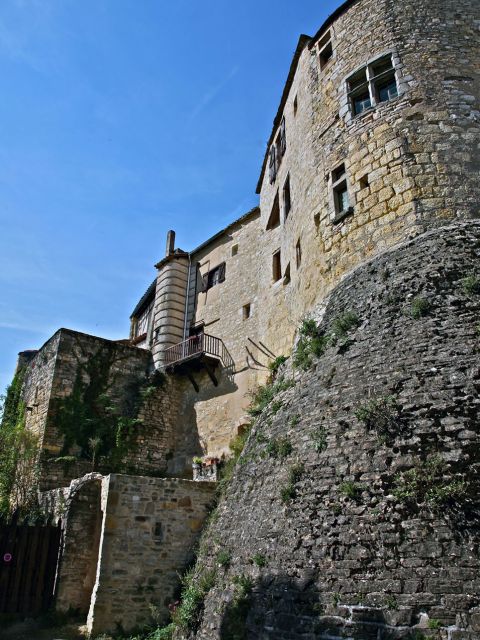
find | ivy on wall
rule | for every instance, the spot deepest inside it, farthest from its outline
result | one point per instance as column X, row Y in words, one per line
column 18, row 452
column 94, row 424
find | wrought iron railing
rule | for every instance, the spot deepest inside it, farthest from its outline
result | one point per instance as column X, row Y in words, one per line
column 202, row 344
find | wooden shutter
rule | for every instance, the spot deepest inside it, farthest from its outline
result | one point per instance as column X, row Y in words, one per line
column 283, row 139
column 221, row 272
column 272, row 165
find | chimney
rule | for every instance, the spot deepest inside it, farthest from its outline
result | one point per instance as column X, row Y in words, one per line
column 170, row 243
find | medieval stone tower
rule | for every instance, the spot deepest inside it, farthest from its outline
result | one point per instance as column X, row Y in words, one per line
column 354, row 511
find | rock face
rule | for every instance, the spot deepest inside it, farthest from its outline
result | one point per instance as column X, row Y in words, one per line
column 368, row 527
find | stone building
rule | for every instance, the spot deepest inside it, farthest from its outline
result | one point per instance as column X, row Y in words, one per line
column 376, row 142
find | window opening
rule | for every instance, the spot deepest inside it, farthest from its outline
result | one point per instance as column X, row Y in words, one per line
column 214, row 276
column 272, row 164
column 340, row 192
column 246, row 311
column 274, row 218
column 298, row 253
column 372, row 85
column 364, row 181
column 276, row 266
column 287, row 199
column 325, row 49
column 286, row 276
column 234, row 249
column 295, row 105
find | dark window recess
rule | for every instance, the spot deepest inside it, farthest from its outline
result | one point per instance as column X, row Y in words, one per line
column 274, row 219
column 272, row 164
column 364, row 181
column 276, row 266
column 325, row 49
column 372, row 85
column 234, row 249
column 340, row 193
column 286, row 275
column 214, row 276
column 298, row 253
column 295, row 106
column 287, row 198
column 246, row 311
column 282, row 138
column 158, row 531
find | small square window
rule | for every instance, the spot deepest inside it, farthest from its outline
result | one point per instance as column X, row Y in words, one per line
column 287, row 198
column 364, row 182
column 246, row 310
column 276, row 266
column 234, row 249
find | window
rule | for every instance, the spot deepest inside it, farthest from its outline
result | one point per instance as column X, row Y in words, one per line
column 277, row 151
column 286, row 275
column 234, row 249
column 340, row 193
column 295, row 105
column 287, row 200
column 246, row 310
column 272, row 164
column 274, row 219
column 276, row 266
column 364, row 181
column 214, row 276
column 325, row 49
column 298, row 253
column 372, row 85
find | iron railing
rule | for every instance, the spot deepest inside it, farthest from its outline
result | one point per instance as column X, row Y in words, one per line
column 202, row 344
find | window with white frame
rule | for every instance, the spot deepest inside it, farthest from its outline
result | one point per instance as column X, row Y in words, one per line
column 341, row 200
column 372, row 84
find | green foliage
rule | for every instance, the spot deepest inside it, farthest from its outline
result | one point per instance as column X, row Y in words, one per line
column 391, row 602
column 343, row 324
column 419, row 308
column 224, row 558
column 236, row 447
column 279, row 447
column 312, row 343
column 275, row 365
column 18, row 453
column 289, row 491
column 259, row 559
column 276, row 406
column 433, row 623
column 350, row 489
column 187, row 615
column 294, row 420
column 471, row 285
column 234, row 627
column 380, row 415
column 429, row 483
column 319, row 439
column 88, row 419
column 264, row 394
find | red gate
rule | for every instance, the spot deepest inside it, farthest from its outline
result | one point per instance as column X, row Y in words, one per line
column 28, row 564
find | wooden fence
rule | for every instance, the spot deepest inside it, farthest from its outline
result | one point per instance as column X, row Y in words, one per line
column 28, row 563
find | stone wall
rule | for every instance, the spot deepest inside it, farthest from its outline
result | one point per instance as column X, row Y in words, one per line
column 411, row 162
column 338, row 549
column 78, row 508
column 149, row 528
column 52, row 377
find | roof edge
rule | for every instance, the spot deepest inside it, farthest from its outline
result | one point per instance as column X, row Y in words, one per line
column 302, row 42
column 246, row 216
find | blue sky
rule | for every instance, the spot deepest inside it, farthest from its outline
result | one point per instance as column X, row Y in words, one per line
column 119, row 120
